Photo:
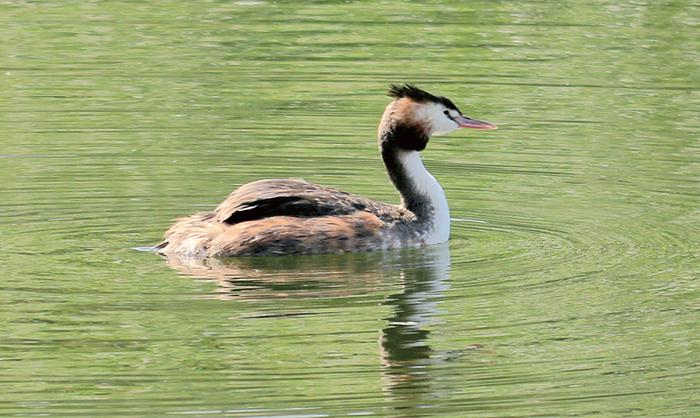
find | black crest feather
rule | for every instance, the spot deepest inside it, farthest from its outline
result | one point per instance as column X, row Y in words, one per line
column 414, row 93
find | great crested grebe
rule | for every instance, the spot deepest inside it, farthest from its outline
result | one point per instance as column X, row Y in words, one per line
column 292, row 216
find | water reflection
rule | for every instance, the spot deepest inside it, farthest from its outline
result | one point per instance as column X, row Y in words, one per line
column 330, row 275
column 304, row 277
column 418, row 278
column 404, row 342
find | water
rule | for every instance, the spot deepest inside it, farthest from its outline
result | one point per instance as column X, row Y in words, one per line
column 570, row 284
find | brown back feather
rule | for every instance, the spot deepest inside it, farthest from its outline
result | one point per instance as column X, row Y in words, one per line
column 298, row 198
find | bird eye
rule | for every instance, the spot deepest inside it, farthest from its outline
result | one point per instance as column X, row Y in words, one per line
column 446, row 112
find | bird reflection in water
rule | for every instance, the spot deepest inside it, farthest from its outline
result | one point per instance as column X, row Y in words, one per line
column 303, row 277
column 405, row 352
column 405, row 349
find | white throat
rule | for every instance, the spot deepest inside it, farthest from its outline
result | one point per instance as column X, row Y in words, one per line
column 425, row 184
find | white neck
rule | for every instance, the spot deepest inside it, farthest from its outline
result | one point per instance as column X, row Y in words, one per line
column 426, row 185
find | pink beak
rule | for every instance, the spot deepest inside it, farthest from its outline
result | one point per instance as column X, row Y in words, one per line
column 465, row 122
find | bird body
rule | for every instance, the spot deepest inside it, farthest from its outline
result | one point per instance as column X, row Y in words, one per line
column 292, row 216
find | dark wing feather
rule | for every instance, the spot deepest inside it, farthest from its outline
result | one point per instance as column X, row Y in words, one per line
column 294, row 197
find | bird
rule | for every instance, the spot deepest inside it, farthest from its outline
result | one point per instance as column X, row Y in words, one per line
column 293, row 216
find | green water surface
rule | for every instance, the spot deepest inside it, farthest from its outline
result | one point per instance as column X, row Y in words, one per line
column 569, row 286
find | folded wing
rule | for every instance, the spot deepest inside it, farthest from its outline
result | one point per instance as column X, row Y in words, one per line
column 297, row 198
